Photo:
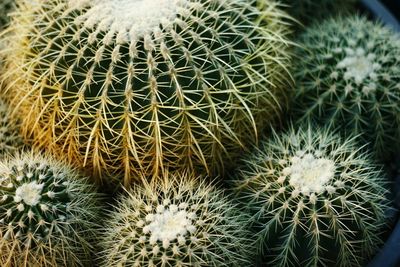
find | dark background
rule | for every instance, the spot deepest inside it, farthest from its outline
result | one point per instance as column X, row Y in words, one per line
column 394, row 6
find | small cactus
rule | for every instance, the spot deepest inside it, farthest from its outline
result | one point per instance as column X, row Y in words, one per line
column 316, row 200
column 348, row 77
column 10, row 136
column 131, row 87
column 48, row 213
column 309, row 11
column 178, row 222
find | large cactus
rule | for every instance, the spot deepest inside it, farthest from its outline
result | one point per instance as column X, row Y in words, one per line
column 49, row 214
column 349, row 77
column 316, row 199
column 181, row 221
column 124, row 86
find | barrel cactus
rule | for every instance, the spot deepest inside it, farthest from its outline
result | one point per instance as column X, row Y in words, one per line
column 349, row 77
column 48, row 213
column 316, row 199
column 181, row 221
column 127, row 87
column 10, row 136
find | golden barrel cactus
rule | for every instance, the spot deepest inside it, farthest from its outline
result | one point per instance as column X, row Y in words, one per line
column 123, row 87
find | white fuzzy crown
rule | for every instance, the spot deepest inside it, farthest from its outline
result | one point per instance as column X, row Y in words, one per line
column 128, row 19
column 30, row 193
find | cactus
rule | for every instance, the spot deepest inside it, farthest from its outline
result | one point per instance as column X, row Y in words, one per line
column 131, row 87
column 10, row 137
column 6, row 6
column 316, row 199
column 308, row 11
column 181, row 221
column 48, row 213
column 348, row 77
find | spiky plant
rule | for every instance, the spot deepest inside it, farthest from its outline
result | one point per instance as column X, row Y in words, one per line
column 316, row 199
column 6, row 6
column 48, row 213
column 181, row 221
column 349, row 77
column 10, row 136
column 126, row 87
column 308, row 11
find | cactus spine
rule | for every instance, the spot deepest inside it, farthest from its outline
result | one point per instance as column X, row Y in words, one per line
column 177, row 222
column 316, row 200
column 131, row 87
column 48, row 213
column 349, row 78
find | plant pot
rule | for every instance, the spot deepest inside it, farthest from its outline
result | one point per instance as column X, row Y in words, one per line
column 389, row 255
column 381, row 12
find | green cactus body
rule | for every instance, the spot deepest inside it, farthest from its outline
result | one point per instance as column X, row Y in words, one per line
column 178, row 222
column 316, row 200
column 125, row 87
column 6, row 6
column 308, row 11
column 349, row 77
column 49, row 214
column 10, row 136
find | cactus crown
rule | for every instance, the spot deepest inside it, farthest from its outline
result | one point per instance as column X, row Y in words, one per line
column 308, row 174
column 176, row 223
column 129, row 20
column 316, row 199
column 348, row 78
column 179, row 83
column 47, row 214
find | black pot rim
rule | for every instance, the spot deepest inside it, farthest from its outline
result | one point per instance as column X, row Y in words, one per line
column 381, row 12
column 389, row 255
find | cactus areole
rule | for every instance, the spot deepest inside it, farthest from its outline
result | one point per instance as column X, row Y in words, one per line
column 127, row 86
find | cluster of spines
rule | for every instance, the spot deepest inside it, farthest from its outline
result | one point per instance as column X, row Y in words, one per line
column 190, row 93
column 177, row 222
column 49, row 213
column 349, row 78
column 316, row 199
